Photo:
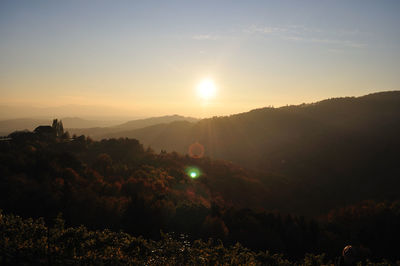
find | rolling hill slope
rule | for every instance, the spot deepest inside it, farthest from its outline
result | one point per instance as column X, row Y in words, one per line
column 343, row 147
column 119, row 130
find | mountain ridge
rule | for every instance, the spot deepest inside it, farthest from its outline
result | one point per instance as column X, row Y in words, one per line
column 98, row 132
column 332, row 146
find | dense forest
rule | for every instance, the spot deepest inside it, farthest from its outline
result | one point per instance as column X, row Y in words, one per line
column 119, row 185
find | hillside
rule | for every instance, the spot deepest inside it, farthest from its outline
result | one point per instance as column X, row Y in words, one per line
column 119, row 130
column 343, row 147
column 117, row 185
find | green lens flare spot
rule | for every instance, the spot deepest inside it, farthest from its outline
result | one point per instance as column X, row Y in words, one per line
column 193, row 172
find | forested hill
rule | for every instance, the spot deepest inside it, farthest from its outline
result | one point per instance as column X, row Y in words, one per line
column 119, row 185
column 263, row 132
column 345, row 148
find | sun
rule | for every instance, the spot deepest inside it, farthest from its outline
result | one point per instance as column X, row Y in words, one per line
column 206, row 89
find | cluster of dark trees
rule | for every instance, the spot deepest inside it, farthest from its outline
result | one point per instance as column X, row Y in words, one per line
column 120, row 185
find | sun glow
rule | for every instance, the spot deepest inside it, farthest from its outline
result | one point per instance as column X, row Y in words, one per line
column 206, row 89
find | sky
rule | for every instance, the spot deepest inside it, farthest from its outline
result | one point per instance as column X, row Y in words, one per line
column 146, row 58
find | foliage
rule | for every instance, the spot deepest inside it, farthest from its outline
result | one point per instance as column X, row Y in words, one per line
column 29, row 241
column 119, row 185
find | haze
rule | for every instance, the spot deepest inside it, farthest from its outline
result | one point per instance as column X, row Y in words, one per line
column 137, row 59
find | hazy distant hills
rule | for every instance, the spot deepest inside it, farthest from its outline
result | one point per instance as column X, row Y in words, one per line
column 264, row 131
column 123, row 130
column 10, row 125
column 91, row 112
column 93, row 128
column 343, row 146
column 140, row 123
column 173, row 136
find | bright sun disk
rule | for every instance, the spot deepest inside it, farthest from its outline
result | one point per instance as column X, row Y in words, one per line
column 206, row 89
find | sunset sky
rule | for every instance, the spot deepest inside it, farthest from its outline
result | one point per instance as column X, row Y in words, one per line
column 147, row 58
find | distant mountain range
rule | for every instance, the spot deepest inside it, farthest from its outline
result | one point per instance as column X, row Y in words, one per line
column 9, row 125
column 122, row 130
column 93, row 128
column 91, row 112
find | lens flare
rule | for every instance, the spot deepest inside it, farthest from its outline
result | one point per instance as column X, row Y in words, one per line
column 196, row 150
column 193, row 172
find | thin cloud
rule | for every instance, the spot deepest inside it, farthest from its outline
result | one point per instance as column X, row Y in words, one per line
column 346, row 43
column 264, row 30
column 203, row 37
column 300, row 33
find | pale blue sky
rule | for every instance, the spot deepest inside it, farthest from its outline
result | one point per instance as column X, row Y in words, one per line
column 146, row 57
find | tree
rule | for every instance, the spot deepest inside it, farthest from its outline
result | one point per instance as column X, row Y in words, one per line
column 58, row 127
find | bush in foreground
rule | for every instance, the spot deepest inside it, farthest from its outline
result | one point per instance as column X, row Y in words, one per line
column 31, row 242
